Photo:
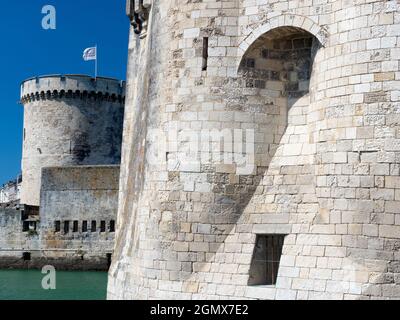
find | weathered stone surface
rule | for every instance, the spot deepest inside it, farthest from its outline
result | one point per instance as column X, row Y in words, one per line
column 73, row 195
column 69, row 120
column 319, row 90
column 66, row 216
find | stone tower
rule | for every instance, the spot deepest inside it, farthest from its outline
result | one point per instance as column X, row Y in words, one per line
column 69, row 120
column 261, row 151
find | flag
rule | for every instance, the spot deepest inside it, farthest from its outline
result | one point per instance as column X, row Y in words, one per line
column 90, row 54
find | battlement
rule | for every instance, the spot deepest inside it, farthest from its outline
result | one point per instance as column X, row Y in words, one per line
column 72, row 87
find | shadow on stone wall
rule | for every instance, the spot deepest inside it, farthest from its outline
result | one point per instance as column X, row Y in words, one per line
column 274, row 74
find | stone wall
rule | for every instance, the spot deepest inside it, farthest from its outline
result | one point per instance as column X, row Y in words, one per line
column 10, row 192
column 325, row 171
column 13, row 241
column 76, row 196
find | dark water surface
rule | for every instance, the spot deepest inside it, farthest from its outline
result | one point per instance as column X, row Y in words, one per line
column 70, row 285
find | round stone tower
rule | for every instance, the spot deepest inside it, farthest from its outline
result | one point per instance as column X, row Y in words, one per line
column 261, row 151
column 69, row 120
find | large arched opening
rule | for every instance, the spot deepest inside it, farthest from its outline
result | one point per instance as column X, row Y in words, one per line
column 277, row 75
column 276, row 71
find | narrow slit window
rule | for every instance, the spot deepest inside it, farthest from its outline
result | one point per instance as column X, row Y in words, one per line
column 66, row 227
column 266, row 259
column 94, row 226
column 84, row 226
column 57, row 226
column 205, row 54
column 109, row 260
column 112, row 226
column 76, row 226
column 102, row 226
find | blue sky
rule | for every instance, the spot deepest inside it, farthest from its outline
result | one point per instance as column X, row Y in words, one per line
column 27, row 50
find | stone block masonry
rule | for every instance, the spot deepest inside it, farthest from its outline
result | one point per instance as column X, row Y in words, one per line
column 76, row 226
column 66, row 216
column 13, row 241
column 69, row 120
column 11, row 191
column 318, row 85
column 78, row 214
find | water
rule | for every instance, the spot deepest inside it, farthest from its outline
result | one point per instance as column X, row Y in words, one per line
column 71, row 285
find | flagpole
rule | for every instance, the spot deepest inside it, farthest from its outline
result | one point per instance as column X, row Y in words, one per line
column 95, row 72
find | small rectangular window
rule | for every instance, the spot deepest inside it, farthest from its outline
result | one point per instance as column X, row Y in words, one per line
column 75, row 227
column 112, row 226
column 266, row 258
column 102, row 226
column 25, row 226
column 32, row 211
column 205, row 54
column 250, row 63
column 264, row 53
column 57, row 226
column 66, row 227
column 26, row 256
column 94, row 226
column 84, row 226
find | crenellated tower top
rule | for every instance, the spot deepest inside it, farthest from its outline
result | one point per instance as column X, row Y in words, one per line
column 72, row 86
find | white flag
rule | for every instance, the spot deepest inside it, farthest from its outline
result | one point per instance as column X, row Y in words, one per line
column 90, row 54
